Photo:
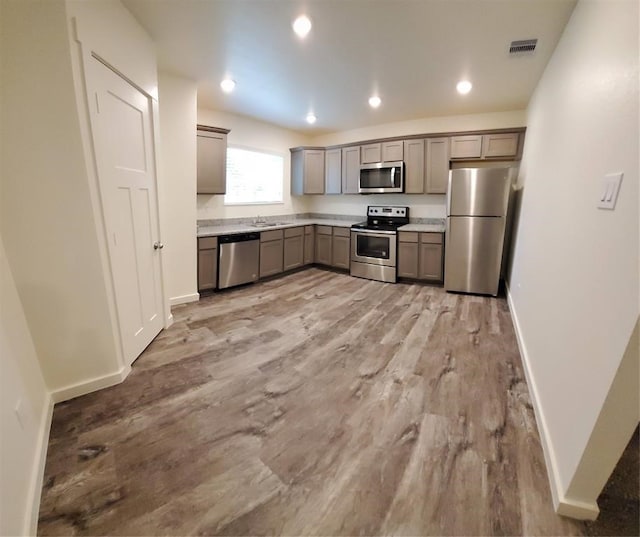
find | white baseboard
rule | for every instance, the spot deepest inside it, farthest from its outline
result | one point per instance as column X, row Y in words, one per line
column 184, row 299
column 37, row 476
column 83, row 388
column 562, row 505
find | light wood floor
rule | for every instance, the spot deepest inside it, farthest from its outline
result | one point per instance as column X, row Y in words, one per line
column 314, row 404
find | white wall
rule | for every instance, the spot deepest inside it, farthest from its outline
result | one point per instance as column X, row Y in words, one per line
column 421, row 206
column 22, row 440
column 253, row 134
column 46, row 212
column 178, row 103
column 574, row 278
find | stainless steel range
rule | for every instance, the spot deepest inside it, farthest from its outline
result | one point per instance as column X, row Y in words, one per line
column 374, row 243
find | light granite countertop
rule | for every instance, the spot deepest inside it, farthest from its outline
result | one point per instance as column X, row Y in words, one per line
column 214, row 231
column 424, row 228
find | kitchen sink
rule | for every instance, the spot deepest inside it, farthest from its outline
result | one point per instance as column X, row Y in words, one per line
column 268, row 224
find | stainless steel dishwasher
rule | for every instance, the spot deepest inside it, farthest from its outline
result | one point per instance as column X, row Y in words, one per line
column 239, row 259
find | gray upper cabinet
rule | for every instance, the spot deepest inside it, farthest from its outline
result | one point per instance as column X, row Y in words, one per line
column 468, row 147
column 437, row 165
column 500, row 145
column 370, row 153
column 350, row 169
column 414, row 166
column 333, row 171
column 211, row 160
column 307, row 171
column 392, row 151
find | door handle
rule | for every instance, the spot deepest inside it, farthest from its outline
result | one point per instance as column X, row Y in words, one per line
column 158, row 246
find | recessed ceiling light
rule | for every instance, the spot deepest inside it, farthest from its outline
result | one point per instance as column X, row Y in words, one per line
column 374, row 101
column 302, row 26
column 464, row 87
column 311, row 119
column 227, row 85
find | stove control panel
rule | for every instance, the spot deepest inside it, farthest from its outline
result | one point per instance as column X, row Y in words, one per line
column 383, row 211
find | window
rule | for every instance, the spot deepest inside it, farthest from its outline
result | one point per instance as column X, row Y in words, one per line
column 253, row 177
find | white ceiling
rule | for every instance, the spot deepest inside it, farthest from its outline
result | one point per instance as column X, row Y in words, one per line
column 410, row 52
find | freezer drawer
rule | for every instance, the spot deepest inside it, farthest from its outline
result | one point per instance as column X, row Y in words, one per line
column 478, row 191
column 473, row 254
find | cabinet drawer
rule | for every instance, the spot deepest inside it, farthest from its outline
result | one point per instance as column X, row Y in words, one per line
column 408, row 236
column 293, row 232
column 341, row 232
column 206, row 243
column 431, row 238
column 308, row 230
column 271, row 235
column 323, row 230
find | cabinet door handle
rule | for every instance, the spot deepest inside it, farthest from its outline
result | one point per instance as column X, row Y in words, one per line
column 158, row 246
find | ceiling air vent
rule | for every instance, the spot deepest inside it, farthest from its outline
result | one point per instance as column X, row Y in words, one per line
column 521, row 47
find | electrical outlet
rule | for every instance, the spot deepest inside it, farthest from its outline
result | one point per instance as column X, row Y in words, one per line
column 609, row 191
column 19, row 410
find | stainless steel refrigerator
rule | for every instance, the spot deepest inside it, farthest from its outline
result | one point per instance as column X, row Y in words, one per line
column 477, row 203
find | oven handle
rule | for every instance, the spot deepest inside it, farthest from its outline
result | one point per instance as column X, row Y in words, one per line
column 374, row 232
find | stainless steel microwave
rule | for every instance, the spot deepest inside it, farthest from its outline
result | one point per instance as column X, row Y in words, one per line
column 381, row 178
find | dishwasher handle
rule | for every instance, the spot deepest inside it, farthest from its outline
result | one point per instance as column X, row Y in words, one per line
column 238, row 237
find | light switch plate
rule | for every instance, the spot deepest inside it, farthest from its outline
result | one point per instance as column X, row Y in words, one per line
column 609, row 191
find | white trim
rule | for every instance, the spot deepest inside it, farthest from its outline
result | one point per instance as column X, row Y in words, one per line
column 92, row 385
column 184, row 299
column 563, row 506
column 37, row 475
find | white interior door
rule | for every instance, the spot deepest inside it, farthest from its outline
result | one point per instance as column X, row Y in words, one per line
column 122, row 124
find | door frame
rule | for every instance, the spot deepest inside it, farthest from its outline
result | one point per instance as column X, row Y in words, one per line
column 85, row 50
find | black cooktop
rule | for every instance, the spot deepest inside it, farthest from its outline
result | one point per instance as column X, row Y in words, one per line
column 377, row 227
column 383, row 218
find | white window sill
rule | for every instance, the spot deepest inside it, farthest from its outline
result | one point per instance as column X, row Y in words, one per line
column 237, row 203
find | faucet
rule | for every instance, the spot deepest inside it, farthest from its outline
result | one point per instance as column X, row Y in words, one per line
column 260, row 220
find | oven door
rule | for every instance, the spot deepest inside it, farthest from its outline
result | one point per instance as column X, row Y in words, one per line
column 374, row 247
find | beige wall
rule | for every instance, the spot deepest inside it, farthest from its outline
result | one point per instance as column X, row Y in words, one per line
column 253, row 134
column 46, row 216
column 177, row 103
column 421, row 206
column 22, row 439
column 574, row 278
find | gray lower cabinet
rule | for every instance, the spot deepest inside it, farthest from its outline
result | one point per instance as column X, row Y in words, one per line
column 293, row 256
column 437, row 165
column 323, row 241
column 271, row 252
column 430, row 265
column 420, row 256
column 211, row 160
column 350, row 169
column 341, row 248
column 333, row 171
column 207, row 263
column 309, row 244
column 307, row 171
column 414, row 166
column 408, row 254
